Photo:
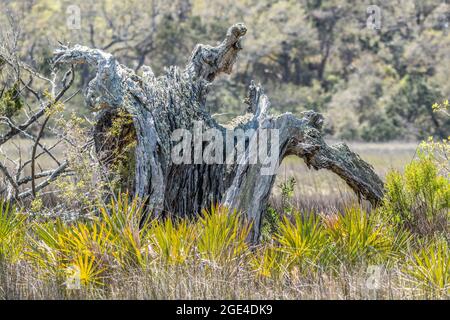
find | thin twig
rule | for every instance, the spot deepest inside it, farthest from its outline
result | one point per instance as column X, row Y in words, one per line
column 33, row 155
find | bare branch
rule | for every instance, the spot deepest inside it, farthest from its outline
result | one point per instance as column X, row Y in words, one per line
column 55, row 174
column 33, row 157
column 10, row 180
column 21, row 128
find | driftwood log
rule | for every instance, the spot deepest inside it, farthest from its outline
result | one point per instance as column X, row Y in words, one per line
column 176, row 100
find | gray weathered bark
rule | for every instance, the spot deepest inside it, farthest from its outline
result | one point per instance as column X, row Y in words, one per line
column 159, row 105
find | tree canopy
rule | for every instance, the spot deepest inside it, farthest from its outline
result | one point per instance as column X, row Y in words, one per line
column 372, row 84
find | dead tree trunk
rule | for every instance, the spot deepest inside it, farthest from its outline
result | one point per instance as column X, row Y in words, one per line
column 176, row 100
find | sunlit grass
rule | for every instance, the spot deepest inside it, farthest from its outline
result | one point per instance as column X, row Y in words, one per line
column 428, row 268
column 175, row 258
column 172, row 241
column 12, row 231
column 324, row 251
column 222, row 234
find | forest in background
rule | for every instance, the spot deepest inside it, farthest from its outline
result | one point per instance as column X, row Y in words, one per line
column 371, row 84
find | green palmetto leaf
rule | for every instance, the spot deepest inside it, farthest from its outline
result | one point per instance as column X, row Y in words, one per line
column 12, row 231
column 223, row 234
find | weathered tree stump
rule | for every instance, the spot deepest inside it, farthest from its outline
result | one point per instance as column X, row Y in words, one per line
column 176, row 100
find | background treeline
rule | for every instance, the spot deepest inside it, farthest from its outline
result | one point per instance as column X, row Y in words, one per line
column 372, row 85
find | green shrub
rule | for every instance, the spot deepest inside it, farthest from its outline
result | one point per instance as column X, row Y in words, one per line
column 10, row 102
column 287, row 193
column 439, row 152
column 123, row 219
column 58, row 250
column 379, row 128
column 270, row 224
column 269, row 261
column 419, row 199
column 271, row 218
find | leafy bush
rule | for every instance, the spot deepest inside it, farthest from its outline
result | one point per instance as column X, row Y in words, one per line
column 418, row 200
column 379, row 128
column 270, row 224
column 58, row 249
column 269, row 261
column 111, row 245
column 10, row 102
column 94, row 247
column 439, row 152
column 271, row 218
column 287, row 192
column 123, row 219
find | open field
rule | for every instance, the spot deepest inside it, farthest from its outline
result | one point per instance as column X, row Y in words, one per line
column 324, row 190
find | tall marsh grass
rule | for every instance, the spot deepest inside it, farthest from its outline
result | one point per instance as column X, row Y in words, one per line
column 306, row 255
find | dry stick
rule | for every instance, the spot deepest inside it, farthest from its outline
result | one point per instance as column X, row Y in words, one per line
column 57, row 172
column 29, row 136
column 14, row 131
column 9, row 178
column 20, row 181
column 33, row 155
column 42, row 174
column 52, row 175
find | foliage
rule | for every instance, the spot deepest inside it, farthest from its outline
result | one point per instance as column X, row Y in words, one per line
column 117, row 244
column 270, row 224
column 173, row 241
column 418, row 200
column 302, row 240
column 439, row 153
column 12, row 231
column 287, row 192
column 358, row 236
column 429, row 268
column 222, row 235
column 375, row 85
column 269, row 262
column 84, row 189
column 271, row 219
column 92, row 247
column 124, row 220
column 11, row 102
column 59, row 248
column 441, row 107
column 350, row 237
